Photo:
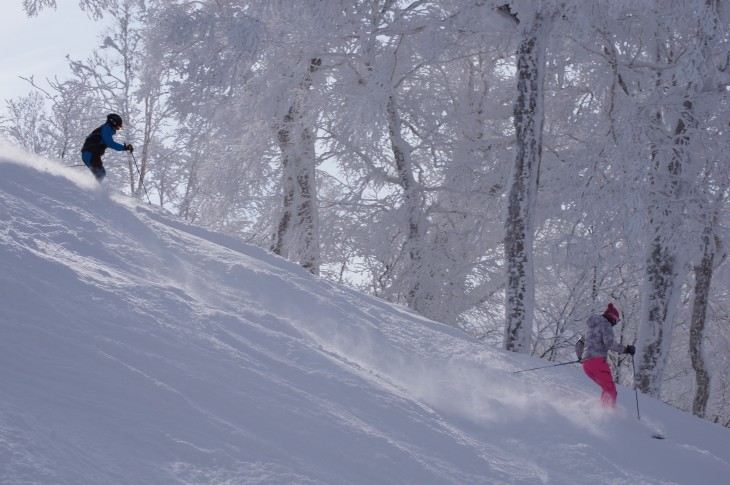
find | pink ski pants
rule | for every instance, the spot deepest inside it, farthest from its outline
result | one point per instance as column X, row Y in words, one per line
column 600, row 372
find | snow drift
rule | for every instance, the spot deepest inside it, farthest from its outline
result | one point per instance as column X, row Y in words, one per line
column 135, row 348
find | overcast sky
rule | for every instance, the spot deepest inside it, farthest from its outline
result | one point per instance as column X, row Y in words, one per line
column 38, row 46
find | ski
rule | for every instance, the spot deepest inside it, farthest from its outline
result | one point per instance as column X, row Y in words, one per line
column 655, row 431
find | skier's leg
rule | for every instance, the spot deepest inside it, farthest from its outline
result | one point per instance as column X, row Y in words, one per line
column 600, row 372
column 86, row 157
column 93, row 161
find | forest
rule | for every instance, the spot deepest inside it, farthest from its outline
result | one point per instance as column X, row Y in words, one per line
column 506, row 167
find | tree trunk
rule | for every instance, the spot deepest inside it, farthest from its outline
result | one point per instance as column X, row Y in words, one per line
column 414, row 212
column 660, row 300
column 280, row 243
column 671, row 178
column 518, row 242
column 149, row 110
column 703, row 279
column 664, row 267
column 297, row 233
column 308, row 252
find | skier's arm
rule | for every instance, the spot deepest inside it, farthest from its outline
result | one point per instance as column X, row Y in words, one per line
column 610, row 342
column 107, row 137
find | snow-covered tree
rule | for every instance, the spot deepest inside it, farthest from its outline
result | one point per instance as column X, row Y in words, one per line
column 682, row 60
column 535, row 27
column 399, row 146
column 27, row 123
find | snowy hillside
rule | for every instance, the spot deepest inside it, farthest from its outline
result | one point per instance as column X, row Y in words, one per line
column 136, row 349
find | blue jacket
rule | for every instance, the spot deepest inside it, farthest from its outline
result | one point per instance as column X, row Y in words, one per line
column 101, row 138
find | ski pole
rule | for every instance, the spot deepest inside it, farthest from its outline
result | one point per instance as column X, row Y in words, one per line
column 140, row 178
column 546, row 366
column 636, row 391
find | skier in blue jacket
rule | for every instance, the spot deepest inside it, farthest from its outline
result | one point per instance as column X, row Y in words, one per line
column 98, row 141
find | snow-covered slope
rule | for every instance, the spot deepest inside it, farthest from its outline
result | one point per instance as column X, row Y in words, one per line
column 137, row 349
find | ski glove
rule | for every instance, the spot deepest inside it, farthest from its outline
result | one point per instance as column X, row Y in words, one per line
column 129, row 148
column 630, row 349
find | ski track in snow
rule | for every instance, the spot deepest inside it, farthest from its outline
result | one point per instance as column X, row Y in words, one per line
column 136, row 348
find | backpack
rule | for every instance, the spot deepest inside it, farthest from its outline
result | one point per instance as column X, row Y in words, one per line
column 94, row 142
column 579, row 348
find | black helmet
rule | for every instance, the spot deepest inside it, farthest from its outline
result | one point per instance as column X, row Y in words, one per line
column 114, row 119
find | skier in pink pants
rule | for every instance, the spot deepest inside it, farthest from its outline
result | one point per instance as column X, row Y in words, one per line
column 593, row 349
